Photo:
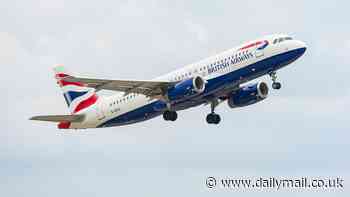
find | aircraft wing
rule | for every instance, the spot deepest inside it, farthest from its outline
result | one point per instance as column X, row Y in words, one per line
column 148, row 88
column 60, row 118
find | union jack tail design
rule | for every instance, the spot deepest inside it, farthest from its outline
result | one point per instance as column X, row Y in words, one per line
column 77, row 95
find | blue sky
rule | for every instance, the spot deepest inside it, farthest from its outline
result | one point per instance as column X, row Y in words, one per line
column 301, row 130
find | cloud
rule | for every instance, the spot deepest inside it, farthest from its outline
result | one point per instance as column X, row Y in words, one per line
column 200, row 33
column 8, row 48
column 316, row 108
column 347, row 45
column 104, row 40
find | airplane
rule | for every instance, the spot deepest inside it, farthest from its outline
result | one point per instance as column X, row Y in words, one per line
column 211, row 81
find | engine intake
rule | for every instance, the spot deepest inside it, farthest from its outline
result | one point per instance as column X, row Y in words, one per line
column 248, row 95
column 186, row 89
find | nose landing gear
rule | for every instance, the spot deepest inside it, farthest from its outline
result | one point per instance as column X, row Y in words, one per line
column 275, row 85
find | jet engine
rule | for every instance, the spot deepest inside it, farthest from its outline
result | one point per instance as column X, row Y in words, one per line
column 248, row 95
column 186, row 89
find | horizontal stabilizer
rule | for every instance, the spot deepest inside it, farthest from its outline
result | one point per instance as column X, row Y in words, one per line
column 60, row 118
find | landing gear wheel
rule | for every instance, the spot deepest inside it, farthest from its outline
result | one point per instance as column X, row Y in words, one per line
column 170, row 115
column 217, row 119
column 173, row 115
column 276, row 85
column 213, row 118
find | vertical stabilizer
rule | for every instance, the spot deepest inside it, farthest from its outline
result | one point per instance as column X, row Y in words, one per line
column 77, row 95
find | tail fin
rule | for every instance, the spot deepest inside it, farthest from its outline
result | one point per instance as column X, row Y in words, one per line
column 77, row 95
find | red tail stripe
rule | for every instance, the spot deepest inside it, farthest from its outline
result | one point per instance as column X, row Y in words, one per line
column 86, row 103
column 65, row 83
column 61, row 75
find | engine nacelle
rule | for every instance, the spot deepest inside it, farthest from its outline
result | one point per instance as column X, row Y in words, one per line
column 186, row 88
column 248, row 95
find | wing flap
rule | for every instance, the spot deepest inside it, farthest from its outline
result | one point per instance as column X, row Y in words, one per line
column 60, row 118
column 148, row 88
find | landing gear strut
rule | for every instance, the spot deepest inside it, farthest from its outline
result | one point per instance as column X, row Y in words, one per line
column 213, row 118
column 275, row 85
column 170, row 115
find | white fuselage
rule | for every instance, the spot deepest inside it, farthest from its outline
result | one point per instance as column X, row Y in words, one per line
column 230, row 61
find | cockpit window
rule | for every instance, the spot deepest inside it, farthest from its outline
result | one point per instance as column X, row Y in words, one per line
column 278, row 40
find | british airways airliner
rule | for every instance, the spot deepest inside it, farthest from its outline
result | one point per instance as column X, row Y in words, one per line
column 211, row 81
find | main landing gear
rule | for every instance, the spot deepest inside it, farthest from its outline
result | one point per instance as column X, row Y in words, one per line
column 213, row 118
column 275, row 85
column 170, row 115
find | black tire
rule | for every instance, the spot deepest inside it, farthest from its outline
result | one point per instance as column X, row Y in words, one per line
column 213, row 118
column 170, row 115
column 173, row 115
column 276, row 85
column 166, row 115
column 209, row 119
column 217, row 119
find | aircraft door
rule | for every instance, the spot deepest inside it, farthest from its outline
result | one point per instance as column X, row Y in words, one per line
column 259, row 52
column 260, row 47
column 100, row 108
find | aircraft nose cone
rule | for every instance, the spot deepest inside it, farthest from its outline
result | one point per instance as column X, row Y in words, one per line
column 301, row 47
column 303, row 50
